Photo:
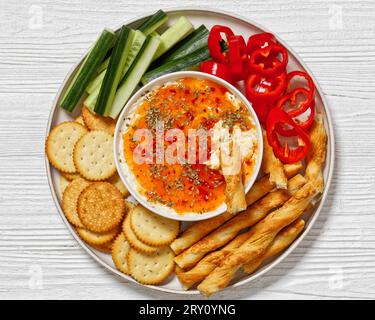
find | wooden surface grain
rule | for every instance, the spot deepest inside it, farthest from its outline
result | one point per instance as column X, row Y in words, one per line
column 39, row 42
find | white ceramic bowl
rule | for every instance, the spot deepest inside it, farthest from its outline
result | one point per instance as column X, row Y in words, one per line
column 125, row 172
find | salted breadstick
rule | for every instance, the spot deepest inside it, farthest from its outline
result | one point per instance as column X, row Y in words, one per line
column 230, row 229
column 212, row 260
column 232, row 171
column 200, row 229
column 283, row 239
column 272, row 165
column 208, row 263
column 317, row 153
column 263, row 234
column 291, row 169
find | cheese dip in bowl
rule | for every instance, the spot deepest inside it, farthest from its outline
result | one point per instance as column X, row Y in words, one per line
column 169, row 144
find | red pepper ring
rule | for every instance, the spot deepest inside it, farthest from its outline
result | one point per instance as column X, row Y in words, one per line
column 217, row 69
column 237, row 57
column 264, row 61
column 291, row 97
column 305, row 124
column 284, row 153
column 265, row 91
column 260, row 40
column 310, row 82
column 213, row 42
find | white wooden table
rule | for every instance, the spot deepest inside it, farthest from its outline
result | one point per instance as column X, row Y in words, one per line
column 39, row 42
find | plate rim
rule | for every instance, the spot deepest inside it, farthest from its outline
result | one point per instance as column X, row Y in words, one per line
column 313, row 218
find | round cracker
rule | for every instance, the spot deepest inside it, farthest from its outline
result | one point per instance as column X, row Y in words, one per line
column 101, row 207
column 133, row 240
column 153, row 229
column 97, row 122
column 152, row 268
column 106, row 247
column 120, row 250
column 63, row 184
column 70, row 199
column 60, row 144
column 79, row 119
column 117, row 182
column 71, row 176
column 93, row 156
column 95, row 238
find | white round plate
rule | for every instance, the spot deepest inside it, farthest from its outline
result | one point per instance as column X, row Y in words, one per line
column 239, row 25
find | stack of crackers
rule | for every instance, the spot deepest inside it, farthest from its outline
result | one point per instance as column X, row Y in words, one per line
column 93, row 200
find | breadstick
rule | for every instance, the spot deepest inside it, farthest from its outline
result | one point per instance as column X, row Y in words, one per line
column 208, row 263
column 230, row 229
column 232, row 172
column 263, row 234
column 200, row 229
column 212, row 260
column 283, row 239
column 317, row 153
column 273, row 166
column 291, row 169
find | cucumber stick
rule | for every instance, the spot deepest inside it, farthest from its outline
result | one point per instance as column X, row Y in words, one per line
column 87, row 70
column 139, row 39
column 173, row 35
column 194, row 41
column 94, row 87
column 154, row 22
column 189, row 62
column 114, row 71
column 96, row 82
column 134, row 74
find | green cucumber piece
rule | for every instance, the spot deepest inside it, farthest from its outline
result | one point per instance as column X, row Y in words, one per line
column 134, row 74
column 189, row 62
column 139, row 39
column 87, row 70
column 104, row 65
column 114, row 71
column 193, row 42
column 91, row 99
column 96, row 82
column 173, row 35
column 94, row 87
column 154, row 22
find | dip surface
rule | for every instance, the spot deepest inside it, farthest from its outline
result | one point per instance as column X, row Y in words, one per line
column 187, row 104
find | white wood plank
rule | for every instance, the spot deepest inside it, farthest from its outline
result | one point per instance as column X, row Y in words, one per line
column 335, row 260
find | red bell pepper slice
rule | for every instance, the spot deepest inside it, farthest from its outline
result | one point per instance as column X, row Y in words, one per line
column 304, row 124
column 277, row 116
column 217, row 69
column 265, row 90
column 237, row 57
column 214, row 39
column 260, row 40
column 291, row 99
column 266, row 61
column 297, row 73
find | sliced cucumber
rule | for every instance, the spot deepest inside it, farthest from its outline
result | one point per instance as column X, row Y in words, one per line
column 104, row 65
column 189, row 62
column 94, row 86
column 139, row 39
column 87, row 70
column 154, row 22
column 114, row 71
column 96, row 82
column 134, row 74
column 194, row 41
column 173, row 35
column 91, row 99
